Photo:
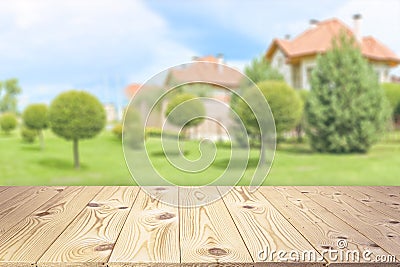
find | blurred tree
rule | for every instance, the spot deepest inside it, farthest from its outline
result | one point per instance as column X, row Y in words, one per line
column 261, row 70
column 9, row 90
column 182, row 116
column 8, row 122
column 36, row 117
column 346, row 108
column 285, row 104
column 392, row 92
column 76, row 115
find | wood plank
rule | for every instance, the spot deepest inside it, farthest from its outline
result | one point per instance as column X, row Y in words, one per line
column 374, row 199
column 388, row 191
column 151, row 230
column 318, row 225
column 208, row 233
column 383, row 230
column 10, row 195
column 92, row 235
column 30, row 238
column 21, row 205
column 3, row 188
column 265, row 229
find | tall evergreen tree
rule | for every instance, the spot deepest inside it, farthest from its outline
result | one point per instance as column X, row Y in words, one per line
column 346, row 109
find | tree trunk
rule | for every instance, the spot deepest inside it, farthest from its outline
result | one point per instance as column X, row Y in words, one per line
column 262, row 153
column 41, row 139
column 76, row 154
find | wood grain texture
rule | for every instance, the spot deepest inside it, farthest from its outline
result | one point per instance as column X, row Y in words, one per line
column 91, row 236
column 124, row 226
column 151, row 230
column 265, row 229
column 383, row 230
column 24, row 203
column 374, row 199
column 387, row 190
column 208, row 233
column 4, row 188
column 31, row 237
column 318, row 225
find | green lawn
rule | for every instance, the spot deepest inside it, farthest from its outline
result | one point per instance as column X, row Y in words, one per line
column 103, row 164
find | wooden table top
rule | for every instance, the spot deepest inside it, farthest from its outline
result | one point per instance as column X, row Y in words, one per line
column 124, row 226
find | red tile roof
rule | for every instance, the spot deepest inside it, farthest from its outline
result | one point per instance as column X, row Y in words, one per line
column 131, row 89
column 206, row 69
column 319, row 39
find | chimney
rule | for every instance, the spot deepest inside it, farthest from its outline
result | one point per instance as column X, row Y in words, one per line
column 313, row 23
column 357, row 18
column 287, row 36
column 220, row 60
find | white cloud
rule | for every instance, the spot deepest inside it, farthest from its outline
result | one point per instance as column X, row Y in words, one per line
column 84, row 38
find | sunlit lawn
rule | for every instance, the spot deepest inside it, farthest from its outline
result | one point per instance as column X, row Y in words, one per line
column 103, row 164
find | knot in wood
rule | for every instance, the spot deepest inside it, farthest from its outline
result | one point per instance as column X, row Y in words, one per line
column 165, row 216
column 217, row 251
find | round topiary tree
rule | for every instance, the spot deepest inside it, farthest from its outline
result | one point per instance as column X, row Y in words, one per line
column 8, row 122
column 186, row 111
column 28, row 135
column 76, row 115
column 285, row 104
column 35, row 117
column 346, row 108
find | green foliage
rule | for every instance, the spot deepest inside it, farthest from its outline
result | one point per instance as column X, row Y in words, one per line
column 28, row 135
column 117, row 130
column 392, row 92
column 76, row 115
column 181, row 117
column 35, row 116
column 301, row 125
column 8, row 122
column 285, row 104
column 260, row 70
column 157, row 132
column 346, row 109
column 9, row 90
column 133, row 129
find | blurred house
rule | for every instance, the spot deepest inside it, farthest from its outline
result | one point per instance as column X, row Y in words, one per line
column 220, row 78
column 296, row 58
column 111, row 112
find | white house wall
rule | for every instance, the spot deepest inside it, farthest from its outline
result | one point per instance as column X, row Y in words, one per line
column 278, row 61
column 304, row 65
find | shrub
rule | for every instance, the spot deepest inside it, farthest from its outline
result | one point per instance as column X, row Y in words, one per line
column 117, row 130
column 261, row 70
column 36, row 117
column 156, row 132
column 285, row 104
column 392, row 92
column 301, row 125
column 8, row 122
column 346, row 109
column 182, row 116
column 76, row 115
column 133, row 129
column 28, row 135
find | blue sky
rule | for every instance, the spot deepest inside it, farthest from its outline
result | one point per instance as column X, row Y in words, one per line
column 101, row 46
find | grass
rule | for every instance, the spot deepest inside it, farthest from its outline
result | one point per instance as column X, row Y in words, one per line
column 103, row 163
